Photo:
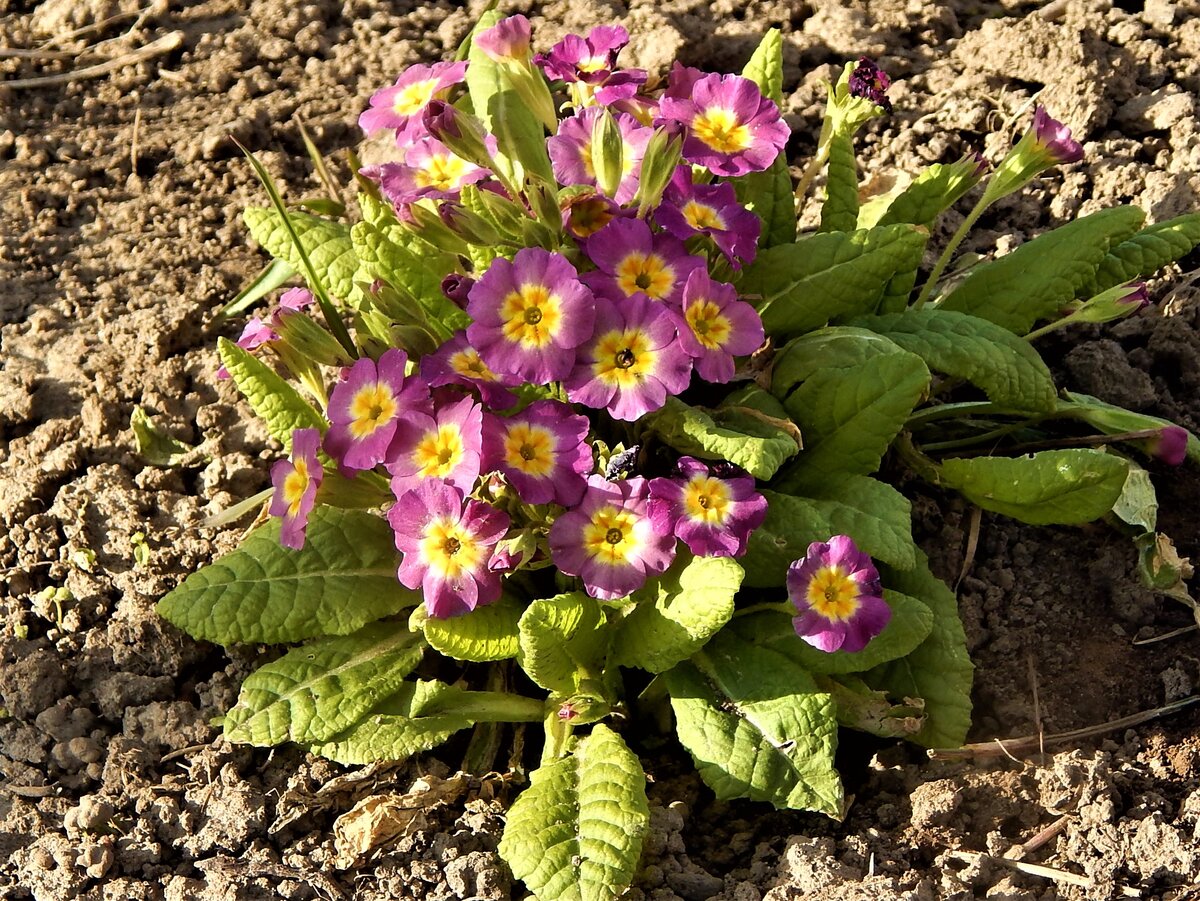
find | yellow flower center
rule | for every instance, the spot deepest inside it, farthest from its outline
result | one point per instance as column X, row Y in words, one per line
column 645, row 272
column 610, row 536
column 371, row 407
column 589, row 216
column 449, row 549
column 710, row 326
column 529, row 449
column 707, row 500
column 294, row 486
column 439, row 453
column 531, row 316
column 623, row 358
column 443, row 171
column 413, row 98
column 721, row 130
column 833, row 594
column 468, row 363
column 700, row 216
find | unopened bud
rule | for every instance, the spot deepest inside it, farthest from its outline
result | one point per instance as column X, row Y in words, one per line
column 608, row 153
column 664, row 152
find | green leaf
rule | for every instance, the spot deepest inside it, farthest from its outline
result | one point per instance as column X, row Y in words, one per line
column 280, row 406
column 1064, row 487
column 862, row 708
column 1114, row 420
column 1006, row 367
column 677, row 613
column 576, row 833
column 326, row 242
column 932, row 192
column 322, row 688
column 1145, row 253
column 765, row 67
column 850, row 391
column 757, row 727
column 344, row 578
column 939, row 670
column 276, row 274
column 1042, row 276
column 155, row 446
column 486, row 633
column 801, row 286
column 910, row 625
column 1138, row 503
column 839, row 213
column 561, row 639
column 768, row 195
column 738, row 435
column 876, row 515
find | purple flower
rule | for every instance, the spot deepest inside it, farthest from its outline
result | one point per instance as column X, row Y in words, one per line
column 712, row 516
column 446, row 546
column 634, row 362
column 457, row 286
column 296, row 481
column 530, row 315
column 609, row 540
column 429, row 169
column 719, row 327
column 1170, row 446
column 255, row 333
column 586, row 214
column 296, row 299
column 457, row 363
column 630, row 259
column 571, row 151
column 712, row 210
column 732, row 128
column 444, row 447
column 542, row 450
column 591, row 59
column 401, row 105
column 869, row 81
column 836, row 590
column 680, row 81
column 366, row 406
column 506, row 41
column 1054, row 139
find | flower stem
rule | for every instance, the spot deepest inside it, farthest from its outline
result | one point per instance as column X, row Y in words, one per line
column 944, row 260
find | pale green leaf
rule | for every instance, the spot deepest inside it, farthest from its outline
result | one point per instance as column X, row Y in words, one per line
column 1042, row 276
column 157, row 446
column 326, row 242
column 486, row 633
column 677, row 613
column 576, row 833
column 765, row 66
column 322, row 688
column 1007, row 368
column 839, row 212
column 1138, row 503
column 1145, row 253
column 801, row 286
column 932, row 192
column 939, row 670
column 559, row 638
column 757, row 727
column 752, row 442
column 876, row 712
column 280, row 406
column 1065, row 487
column 343, row 578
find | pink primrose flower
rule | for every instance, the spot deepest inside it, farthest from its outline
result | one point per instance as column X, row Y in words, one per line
column 571, row 151
column 542, row 451
column 712, row 516
column 689, row 209
column 442, row 447
column 401, row 106
column 836, row 590
column 457, row 363
column 296, row 481
column 366, row 407
column 630, row 259
column 719, row 327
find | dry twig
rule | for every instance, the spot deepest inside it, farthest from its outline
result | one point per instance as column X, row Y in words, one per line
column 162, row 45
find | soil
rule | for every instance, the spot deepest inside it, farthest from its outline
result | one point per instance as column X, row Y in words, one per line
column 120, row 237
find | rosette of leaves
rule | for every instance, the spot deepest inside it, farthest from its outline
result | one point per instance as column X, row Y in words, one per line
column 862, row 368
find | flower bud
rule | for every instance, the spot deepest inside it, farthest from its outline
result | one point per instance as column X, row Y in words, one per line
column 608, row 151
column 664, row 152
column 468, row 225
column 1046, row 144
column 463, row 133
column 301, row 337
column 428, row 225
column 456, row 287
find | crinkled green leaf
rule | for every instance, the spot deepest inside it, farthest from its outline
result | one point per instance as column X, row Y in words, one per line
column 326, row 242
column 322, row 688
column 156, row 446
column 910, row 625
column 932, row 192
column 839, row 212
column 576, row 833
column 1042, row 276
column 677, row 613
column 801, row 286
column 768, row 195
column 1145, row 253
column 751, row 441
column 939, row 670
column 757, row 727
column 280, row 406
column 560, row 638
column 486, row 633
column 1138, row 503
column 850, row 391
column 343, row 578
column 1006, row 367
column 1064, row 487
column 765, row 67
column 1114, row 420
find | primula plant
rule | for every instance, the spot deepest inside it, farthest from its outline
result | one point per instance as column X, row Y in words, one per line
column 580, row 432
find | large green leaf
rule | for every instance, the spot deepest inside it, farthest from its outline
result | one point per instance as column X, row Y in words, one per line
column 1145, row 253
column 939, row 670
column 757, row 727
column 1042, row 276
column 751, row 441
column 322, row 688
column 344, row 578
column 850, row 391
column 326, row 242
column 677, row 613
column 1065, row 487
column 486, row 633
column 561, row 639
column 1006, row 367
column 910, row 625
column 576, row 833
column 801, row 286
column 280, row 406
